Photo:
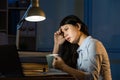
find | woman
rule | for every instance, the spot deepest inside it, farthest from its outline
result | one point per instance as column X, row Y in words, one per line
column 92, row 62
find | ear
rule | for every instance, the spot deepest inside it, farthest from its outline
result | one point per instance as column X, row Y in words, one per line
column 79, row 26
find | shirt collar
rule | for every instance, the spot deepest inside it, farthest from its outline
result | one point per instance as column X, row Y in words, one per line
column 84, row 44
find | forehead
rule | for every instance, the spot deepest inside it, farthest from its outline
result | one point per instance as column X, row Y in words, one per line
column 66, row 26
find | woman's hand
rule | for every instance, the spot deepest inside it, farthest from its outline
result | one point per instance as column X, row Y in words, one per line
column 59, row 37
column 58, row 41
column 58, row 62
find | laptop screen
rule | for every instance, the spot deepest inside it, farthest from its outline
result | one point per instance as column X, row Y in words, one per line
column 10, row 65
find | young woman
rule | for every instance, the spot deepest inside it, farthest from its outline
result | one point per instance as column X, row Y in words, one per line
column 82, row 56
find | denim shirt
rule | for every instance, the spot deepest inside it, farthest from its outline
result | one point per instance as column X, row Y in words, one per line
column 93, row 60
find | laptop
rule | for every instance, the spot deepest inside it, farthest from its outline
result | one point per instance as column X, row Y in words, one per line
column 10, row 65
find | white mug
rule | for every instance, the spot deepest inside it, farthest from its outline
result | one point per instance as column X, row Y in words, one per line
column 50, row 58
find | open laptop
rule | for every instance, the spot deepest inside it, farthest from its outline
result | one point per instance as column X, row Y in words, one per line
column 10, row 65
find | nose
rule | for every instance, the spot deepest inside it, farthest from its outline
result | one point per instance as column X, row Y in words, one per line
column 65, row 35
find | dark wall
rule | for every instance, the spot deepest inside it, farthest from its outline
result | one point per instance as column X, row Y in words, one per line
column 55, row 11
column 104, row 24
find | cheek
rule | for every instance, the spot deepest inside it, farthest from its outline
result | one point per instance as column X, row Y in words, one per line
column 74, row 33
column 75, row 36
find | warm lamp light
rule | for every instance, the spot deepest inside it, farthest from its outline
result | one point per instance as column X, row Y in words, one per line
column 35, row 13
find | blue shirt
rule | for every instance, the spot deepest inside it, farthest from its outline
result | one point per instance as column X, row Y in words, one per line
column 93, row 60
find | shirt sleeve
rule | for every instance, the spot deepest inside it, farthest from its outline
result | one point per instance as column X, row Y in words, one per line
column 95, row 60
column 98, row 57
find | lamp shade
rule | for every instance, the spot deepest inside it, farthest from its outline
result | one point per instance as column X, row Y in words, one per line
column 35, row 13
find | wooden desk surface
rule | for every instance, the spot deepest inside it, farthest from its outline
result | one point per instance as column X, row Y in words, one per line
column 34, row 71
column 40, row 78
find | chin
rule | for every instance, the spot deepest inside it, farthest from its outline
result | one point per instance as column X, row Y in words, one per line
column 72, row 42
column 69, row 41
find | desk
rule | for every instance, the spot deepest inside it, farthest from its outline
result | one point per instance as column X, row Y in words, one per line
column 33, row 70
column 41, row 78
column 33, row 62
column 39, row 75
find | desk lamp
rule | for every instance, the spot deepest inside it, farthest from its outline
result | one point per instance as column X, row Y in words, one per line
column 33, row 14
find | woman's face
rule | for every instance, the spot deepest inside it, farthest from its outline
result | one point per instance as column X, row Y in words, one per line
column 71, row 33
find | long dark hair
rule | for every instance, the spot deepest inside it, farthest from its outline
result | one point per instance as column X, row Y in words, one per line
column 73, row 20
column 68, row 51
column 69, row 54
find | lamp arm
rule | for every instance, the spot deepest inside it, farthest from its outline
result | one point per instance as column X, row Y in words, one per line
column 19, row 25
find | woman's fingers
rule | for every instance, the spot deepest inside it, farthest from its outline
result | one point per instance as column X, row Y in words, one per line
column 59, row 32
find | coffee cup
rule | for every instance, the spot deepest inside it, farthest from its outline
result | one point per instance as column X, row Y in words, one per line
column 50, row 58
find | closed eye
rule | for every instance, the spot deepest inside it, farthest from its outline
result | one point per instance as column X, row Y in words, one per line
column 66, row 28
